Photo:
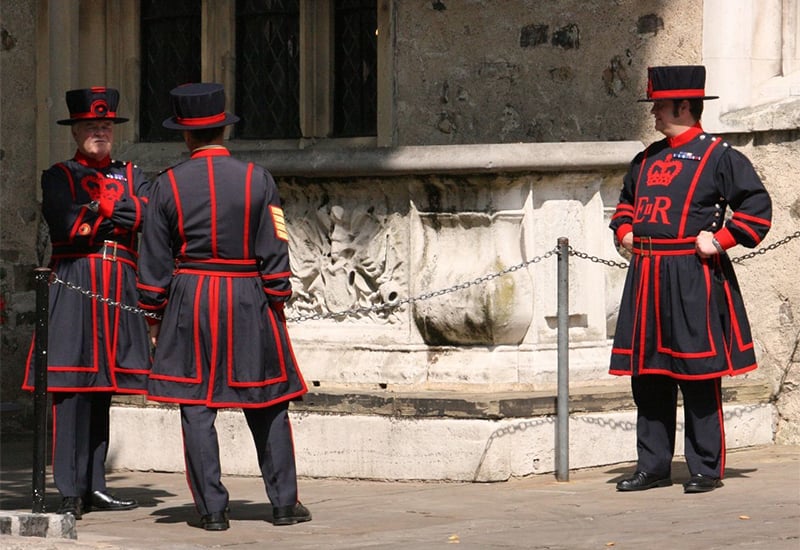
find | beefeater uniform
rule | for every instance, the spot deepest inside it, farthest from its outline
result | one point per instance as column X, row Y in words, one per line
column 682, row 321
column 94, row 211
column 215, row 263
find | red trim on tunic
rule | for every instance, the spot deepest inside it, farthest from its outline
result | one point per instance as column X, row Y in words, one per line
column 746, row 229
column 178, row 209
column 754, row 219
column 213, row 314
column 272, row 292
column 95, row 321
column 270, row 276
column 212, row 194
column 150, row 288
column 247, row 198
column 698, row 172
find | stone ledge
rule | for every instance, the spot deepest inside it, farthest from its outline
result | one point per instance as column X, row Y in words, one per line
column 23, row 524
column 484, row 158
column 493, row 406
column 466, row 404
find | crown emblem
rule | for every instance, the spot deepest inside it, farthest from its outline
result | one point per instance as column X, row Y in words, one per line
column 663, row 172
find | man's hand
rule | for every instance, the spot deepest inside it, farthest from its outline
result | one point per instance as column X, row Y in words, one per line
column 627, row 241
column 155, row 329
column 705, row 245
column 277, row 307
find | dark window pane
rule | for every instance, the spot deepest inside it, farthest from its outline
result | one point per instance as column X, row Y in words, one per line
column 267, row 69
column 355, row 96
column 170, row 56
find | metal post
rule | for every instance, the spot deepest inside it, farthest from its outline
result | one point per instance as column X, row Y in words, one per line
column 42, row 277
column 562, row 402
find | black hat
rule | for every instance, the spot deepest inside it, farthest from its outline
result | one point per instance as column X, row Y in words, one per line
column 677, row 82
column 95, row 103
column 199, row 106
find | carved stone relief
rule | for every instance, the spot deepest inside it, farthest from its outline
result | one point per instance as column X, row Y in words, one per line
column 346, row 252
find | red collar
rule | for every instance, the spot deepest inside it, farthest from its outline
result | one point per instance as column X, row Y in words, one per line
column 686, row 136
column 211, row 152
column 80, row 158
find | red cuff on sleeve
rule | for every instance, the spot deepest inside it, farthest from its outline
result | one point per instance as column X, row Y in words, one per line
column 623, row 230
column 725, row 239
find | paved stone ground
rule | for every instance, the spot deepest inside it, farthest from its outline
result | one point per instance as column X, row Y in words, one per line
column 758, row 508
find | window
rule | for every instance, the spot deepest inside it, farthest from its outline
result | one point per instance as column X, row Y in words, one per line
column 296, row 70
column 268, row 68
column 355, row 89
column 170, row 55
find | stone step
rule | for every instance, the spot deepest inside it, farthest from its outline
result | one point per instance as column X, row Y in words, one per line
column 383, row 433
column 485, row 405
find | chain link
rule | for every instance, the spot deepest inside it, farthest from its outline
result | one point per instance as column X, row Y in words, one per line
column 595, row 259
column 102, row 299
column 380, row 308
column 424, row 296
column 766, row 249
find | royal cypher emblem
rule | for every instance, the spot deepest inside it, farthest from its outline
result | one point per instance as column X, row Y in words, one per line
column 663, row 172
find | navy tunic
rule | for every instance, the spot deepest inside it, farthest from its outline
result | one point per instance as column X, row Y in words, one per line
column 93, row 346
column 215, row 264
column 682, row 315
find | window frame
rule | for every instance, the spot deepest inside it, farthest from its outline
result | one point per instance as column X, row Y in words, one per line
column 218, row 64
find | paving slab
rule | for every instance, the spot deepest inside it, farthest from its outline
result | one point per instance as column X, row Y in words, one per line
column 758, row 508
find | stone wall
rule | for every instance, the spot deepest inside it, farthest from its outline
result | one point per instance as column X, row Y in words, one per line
column 19, row 219
column 489, row 72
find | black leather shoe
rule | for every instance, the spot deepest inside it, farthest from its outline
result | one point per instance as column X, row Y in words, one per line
column 105, row 502
column 641, row 481
column 701, row 484
column 215, row 521
column 289, row 515
column 71, row 505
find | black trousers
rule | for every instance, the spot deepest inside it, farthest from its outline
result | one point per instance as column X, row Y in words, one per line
column 272, row 435
column 80, row 442
column 656, row 398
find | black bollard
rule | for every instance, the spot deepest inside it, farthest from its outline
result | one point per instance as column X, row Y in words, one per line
column 42, row 277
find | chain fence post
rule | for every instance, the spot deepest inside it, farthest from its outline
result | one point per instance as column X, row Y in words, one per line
column 562, row 401
column 42, row 279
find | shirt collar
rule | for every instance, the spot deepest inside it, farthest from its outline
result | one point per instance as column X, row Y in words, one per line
column 90, row 162
column 685, row 137
column 210, row 151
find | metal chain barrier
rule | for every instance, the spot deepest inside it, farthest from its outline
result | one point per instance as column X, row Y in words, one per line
column 766, row 249
column 363, row 310
column 102, row 299
column 425, row 296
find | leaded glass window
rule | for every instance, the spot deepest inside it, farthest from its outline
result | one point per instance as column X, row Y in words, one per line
column 355, row 79
column 268, row 69
column 170, row 36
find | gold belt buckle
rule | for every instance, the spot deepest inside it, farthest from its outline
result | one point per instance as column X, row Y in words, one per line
column 110, row 251
column 646, row 244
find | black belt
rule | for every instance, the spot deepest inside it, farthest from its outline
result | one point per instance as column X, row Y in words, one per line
column 216, row 265
column 110, row 251
column 650, row 246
